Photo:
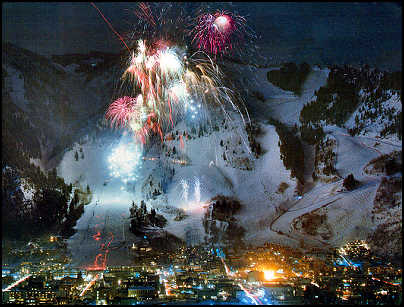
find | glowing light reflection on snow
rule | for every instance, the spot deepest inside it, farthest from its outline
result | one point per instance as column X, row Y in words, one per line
column 124, row 161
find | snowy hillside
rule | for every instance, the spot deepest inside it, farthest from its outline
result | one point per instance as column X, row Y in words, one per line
column 220, row 162
column 375, row 117
column 57, row 102
column 330, row 132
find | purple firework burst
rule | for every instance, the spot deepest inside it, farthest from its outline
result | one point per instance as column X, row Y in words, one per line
column 218, row 33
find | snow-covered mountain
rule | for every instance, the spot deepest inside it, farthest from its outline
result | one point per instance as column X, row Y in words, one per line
column 256, row 167
column 56, row 100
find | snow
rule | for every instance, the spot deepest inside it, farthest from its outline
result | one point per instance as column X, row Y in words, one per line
column 352, row 156
column 214, row 178
column 283, row 105
column 348, row 213
column 280, row 104
column 207, row 174
column 27, row 190
column 256, row 189
column 15, row 81
column 287, row 108
column 373, row 127
column 71, row 68
column 110, row 205
column 37, row 162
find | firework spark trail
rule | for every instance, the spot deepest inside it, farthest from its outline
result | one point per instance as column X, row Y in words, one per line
column 145, row 13
column 121, row 111
column 166, row 81
column 152, row 73
column 17, row 283
column 213, row 77
column 167, row 21
column 169, row 70
column 89, row 285
column 109, row 24
column 124, row 160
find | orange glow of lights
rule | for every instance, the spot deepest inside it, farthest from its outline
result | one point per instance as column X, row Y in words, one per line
column 269, row 274
column 176, row 161
column 97, row 236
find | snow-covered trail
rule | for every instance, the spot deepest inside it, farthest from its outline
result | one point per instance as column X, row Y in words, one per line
column 338, row 207
column 352, row 156
column 288, row 107
column 280, row 104
column 108, row 211
column 383, row 147
column 100, row 224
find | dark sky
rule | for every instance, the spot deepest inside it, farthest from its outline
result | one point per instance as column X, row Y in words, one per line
column 315, row 32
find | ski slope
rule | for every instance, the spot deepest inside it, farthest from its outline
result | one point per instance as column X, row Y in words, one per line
column 266, row 214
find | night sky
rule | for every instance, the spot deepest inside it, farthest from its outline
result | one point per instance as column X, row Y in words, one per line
column 325, row 33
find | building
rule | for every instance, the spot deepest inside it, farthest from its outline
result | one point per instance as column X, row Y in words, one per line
column 282, row 294
column 142, row 292
column 21, row 296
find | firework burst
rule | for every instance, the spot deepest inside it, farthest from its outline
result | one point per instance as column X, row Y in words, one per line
column 166, row 21
column 120, row 111
column 165, row 80
column 219, row 33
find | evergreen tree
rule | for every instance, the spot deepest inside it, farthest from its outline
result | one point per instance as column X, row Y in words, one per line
column 350, row 182
column 152, row 216
column 143, row 207
column 133, row 210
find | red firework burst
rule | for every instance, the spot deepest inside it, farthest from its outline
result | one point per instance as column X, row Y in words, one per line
column 120, row 111
column 218, row 33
